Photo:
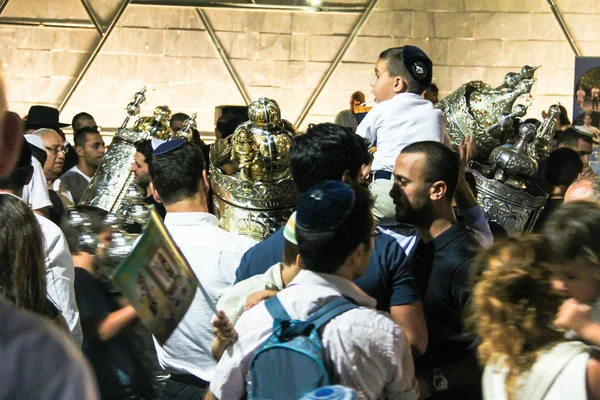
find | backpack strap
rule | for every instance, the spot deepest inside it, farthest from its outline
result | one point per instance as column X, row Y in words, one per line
column 542, row 377
column 329, row 311
column 275, row 308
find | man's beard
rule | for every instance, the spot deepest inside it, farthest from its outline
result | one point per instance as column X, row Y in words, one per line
column 416, row 215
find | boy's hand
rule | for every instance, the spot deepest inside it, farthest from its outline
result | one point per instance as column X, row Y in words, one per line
column 257, row 297
column 223, row 329
column 573, row 315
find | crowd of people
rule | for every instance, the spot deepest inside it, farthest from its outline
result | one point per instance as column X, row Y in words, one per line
column 388, row 279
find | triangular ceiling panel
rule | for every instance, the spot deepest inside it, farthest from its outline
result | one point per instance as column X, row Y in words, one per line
column 62, row 10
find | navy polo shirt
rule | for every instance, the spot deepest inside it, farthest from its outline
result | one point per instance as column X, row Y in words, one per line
column 388, row 278
column 442, row 273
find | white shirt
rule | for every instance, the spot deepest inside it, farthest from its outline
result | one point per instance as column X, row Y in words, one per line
column 75, row 169
column 569, row 384
column 213, row 254
column 234, row 299
column 367, row 350
column 60, row 275
column 35, row 193
column 394, row 124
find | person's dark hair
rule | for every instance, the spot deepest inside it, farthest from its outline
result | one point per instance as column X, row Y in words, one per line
column 396, row 67
column 570, row 138
column 227, row 123
column 80, row 135
column 563, row 167
column 572, row 233
column 433, row 89
column 441, row 164
column 178, row 117
column 177, row 174
column 144, row 147
column 22, row 258
column 325, row 252
column 325, row 152
column 290, row 252
column 81, row 116
column 563, row 117
column 364, row 147
column 21, row 173
column 357, row 96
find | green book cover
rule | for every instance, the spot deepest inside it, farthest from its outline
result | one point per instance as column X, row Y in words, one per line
column 157, row 280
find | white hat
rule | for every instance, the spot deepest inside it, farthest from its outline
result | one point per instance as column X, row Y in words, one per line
column 156, row 142
column 35, row 141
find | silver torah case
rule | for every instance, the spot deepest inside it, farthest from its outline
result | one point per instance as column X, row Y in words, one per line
column 501, row 185
column 113, row 178
column 500, row 175
column 253, row 191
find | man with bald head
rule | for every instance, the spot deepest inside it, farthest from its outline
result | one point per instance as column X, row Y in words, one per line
column 584, row 189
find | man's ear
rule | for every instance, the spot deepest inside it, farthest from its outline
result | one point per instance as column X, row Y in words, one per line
column 79, row 151
column 438, row 190
column 205, row 182
column 155, row 194
column 299, row 262
column 399, row 85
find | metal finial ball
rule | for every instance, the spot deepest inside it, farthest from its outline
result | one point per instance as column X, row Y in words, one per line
column 527, row 131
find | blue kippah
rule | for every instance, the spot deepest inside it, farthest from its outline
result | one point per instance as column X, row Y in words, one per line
column 168, row 146
column 325, row 206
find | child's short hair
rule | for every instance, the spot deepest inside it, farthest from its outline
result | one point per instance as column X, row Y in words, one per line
column 290, row 252
column 412, row 64
column 572, row 232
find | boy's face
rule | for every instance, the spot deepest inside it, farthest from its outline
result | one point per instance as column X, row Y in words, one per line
column 383, row 85
column 576, row 280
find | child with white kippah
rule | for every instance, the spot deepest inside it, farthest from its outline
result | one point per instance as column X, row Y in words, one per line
column 247, row 293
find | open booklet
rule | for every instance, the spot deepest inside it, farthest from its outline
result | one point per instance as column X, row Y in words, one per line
column 157, row 280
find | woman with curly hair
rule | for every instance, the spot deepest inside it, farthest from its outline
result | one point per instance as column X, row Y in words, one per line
column 514, row 307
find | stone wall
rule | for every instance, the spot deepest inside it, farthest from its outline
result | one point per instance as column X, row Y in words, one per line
column 280, row 54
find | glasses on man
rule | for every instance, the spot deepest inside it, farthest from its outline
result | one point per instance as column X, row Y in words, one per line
column 56, row 150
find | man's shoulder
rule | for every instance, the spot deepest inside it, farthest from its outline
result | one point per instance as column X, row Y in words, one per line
column 367, row 317
column 73, row 177
column 236, row 242
column 386, row 246
column 273, row 242
column 50, row 230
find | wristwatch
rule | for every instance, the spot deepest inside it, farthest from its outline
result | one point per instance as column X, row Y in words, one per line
column 440, row 383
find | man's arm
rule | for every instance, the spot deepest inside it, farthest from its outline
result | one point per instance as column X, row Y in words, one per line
column 469, row 208
column 412, row 320
column 405, row 306
column 367, row 128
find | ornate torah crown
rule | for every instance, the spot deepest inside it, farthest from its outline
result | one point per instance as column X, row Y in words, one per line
column 486, row 113
column 253, row 190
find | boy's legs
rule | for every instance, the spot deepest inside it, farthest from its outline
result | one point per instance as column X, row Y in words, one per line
column 384, row 209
